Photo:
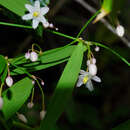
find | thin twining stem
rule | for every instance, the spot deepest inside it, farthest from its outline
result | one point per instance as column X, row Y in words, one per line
column 104, row 21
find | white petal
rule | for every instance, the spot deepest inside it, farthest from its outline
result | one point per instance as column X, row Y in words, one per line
column 37, row 4
column 120, row 30
column 96, row 78
column 92, row 69
column 29, row 7
column 33, row 56
column 9, row 81
column 35, row 23
column 27, row 16
column 79, row 83
column 42, row 19
column 22, row 118
column 44, row 10
column 83, row 72
column 42, row 114
column 89, row 85
column 1, row 102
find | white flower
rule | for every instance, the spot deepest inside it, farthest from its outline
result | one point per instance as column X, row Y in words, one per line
column 85, row 78
column 42, row 114
column 33, row 56
column 22, row 118
column 36, row 14
column 30, row 105
column 9, row 81
column 1, row 102
column 92, row 69
column 120, row 30
column 27, row 55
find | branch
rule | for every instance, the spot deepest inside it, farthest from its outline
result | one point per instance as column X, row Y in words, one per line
column 104, row 21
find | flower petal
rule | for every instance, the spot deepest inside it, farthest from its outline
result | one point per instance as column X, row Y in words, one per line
column 27, row 16
column 96, row 78
column 35, row 23
column 42, row 19
column 89, row 85
column 37, row 4
column 29, row 7
column 44, row 10
column 83, row 72
column 79, row 83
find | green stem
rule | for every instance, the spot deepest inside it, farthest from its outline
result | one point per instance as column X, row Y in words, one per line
column 61, row 34
column 85, row 26
column 43, row 105
column 16, row 25
column 114, row 52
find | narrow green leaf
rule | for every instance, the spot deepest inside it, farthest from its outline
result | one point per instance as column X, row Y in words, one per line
column 16, row 6
column 63, row 91
column 107, row 5
column 123, row 126
column 2, row 64
column 48, row 59
column 16, row 96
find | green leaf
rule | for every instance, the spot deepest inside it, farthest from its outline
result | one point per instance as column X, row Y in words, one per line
column 63, row 91
column 107, row 5
column 16, row 6
column 48, row 59
column 2, row 64
column 16, row 96
column 123, row 126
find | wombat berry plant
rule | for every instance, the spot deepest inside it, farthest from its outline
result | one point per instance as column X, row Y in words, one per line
column 34, row 60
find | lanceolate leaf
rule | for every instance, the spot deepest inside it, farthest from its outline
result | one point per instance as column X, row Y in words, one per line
column 48, row 59
column 63, row 91
column 16, row 96
column 16, row 6
column 3, row 63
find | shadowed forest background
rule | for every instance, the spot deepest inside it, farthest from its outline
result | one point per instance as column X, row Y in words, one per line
column 108, row 105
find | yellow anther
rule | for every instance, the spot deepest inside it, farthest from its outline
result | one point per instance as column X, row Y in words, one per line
column 85, row 79
column 35, row 14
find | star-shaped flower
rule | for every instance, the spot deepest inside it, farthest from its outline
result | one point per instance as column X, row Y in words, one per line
column 36, row 13
column 85, row 78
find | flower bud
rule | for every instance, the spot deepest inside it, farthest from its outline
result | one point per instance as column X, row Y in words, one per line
column 33, row 56
column 33, row 82
column 30, row 105
column 46, row 25
column 42, row 114
column 27, row 55
column 120, row 30
column 22, row 118
column 1, row 103
column 97, row 49
column 92, row 69
column 93, row 61
column 88, row 62
column 9, row 81
column 51, row 25
column 42, row 83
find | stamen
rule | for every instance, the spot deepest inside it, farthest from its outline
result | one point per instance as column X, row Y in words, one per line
column 85, row 79
column 35, row 14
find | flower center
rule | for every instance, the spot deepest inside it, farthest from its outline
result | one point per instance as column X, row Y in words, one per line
column 35, row 14
column 85, row 79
